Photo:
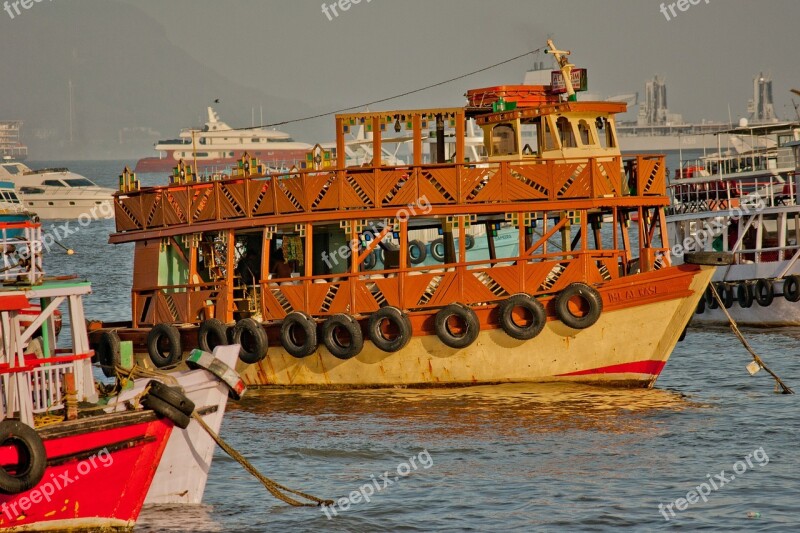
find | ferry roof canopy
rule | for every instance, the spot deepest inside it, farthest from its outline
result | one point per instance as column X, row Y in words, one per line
column 763, row 129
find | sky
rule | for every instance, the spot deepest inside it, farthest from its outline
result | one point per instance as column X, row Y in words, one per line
column 292, row 58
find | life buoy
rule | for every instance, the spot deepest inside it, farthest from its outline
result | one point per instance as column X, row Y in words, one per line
column 164, row 345
column 469, row 242
column 535, row 321
column 252, row 338
column 589, row 298
column 299, row 334
column 31, row 453
column 744, row 294
column 172, row 395
column 342, row 336
column 437, row 249
column 711, row 300
column 166, row 410
column 417, row 253
column 791, row 288
column 212, row 333
column 460, row 336
column 389, row 329
column 108, row 353
column 725, row 292
column 764, row 292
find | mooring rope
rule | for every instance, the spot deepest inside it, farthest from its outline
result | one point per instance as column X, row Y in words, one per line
column 273, row 487
column 738, row 333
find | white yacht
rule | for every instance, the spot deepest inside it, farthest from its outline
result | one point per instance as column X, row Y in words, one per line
column 57, row 193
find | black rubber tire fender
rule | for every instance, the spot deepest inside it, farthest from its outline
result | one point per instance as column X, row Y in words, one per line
column 764, row 292
column 173, row 337
column 166, row 410
column 744, row 295
column 791, row 288
column 108, row 353
column 701, row 305
column 417, row 253
column 589, row 295
column 468, row 317
column 436, row 253
column 370, row 261
column 469, row 242
column 307, row 326
column 711, row 301
column 172, row 395
column 252, row 338
column 529, row 304
column 330, row 338
column 32, row 455
column 398, row 320
column 726, row 294
column 212, row 333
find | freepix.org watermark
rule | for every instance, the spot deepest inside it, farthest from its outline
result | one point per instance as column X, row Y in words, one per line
column 48, row 489
column 421, row 207
column 749, row 205
column 376, row 484
column 682, row 5
column 713, row 483
column 333, row 9
column 13, row 7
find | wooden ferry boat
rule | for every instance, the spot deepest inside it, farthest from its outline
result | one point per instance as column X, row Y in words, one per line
column 745, row 203
column 588, row 293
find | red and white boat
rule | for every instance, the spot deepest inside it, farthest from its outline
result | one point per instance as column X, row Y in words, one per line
column 217, row 146
column 91, row 473
column 182, row 474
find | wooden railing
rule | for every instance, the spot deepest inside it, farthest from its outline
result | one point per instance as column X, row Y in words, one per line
column 366, row 189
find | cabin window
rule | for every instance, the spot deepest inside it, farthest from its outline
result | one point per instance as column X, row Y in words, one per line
column 606, row 133
column 565, row 133
column 53, row 183
column 255, row 140
column 79, row 182
column 585, row 133
column 530, row 137
column 549, row 141
column 504, row 140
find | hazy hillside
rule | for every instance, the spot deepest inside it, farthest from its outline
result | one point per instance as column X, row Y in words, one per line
column 131, row 85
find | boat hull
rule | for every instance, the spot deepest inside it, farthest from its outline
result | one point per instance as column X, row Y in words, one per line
column 183, row 471
column 277, row 159
column 99, row 471
column 61, row 209
column 643, row 319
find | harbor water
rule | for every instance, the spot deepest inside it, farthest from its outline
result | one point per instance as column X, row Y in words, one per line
column 710, row 447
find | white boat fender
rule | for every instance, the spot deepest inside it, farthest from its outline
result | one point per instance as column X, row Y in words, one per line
column 200, row 359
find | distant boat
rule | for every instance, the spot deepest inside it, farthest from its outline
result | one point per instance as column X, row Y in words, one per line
column 218, row 146
column 11, row 149
column 57, row 193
